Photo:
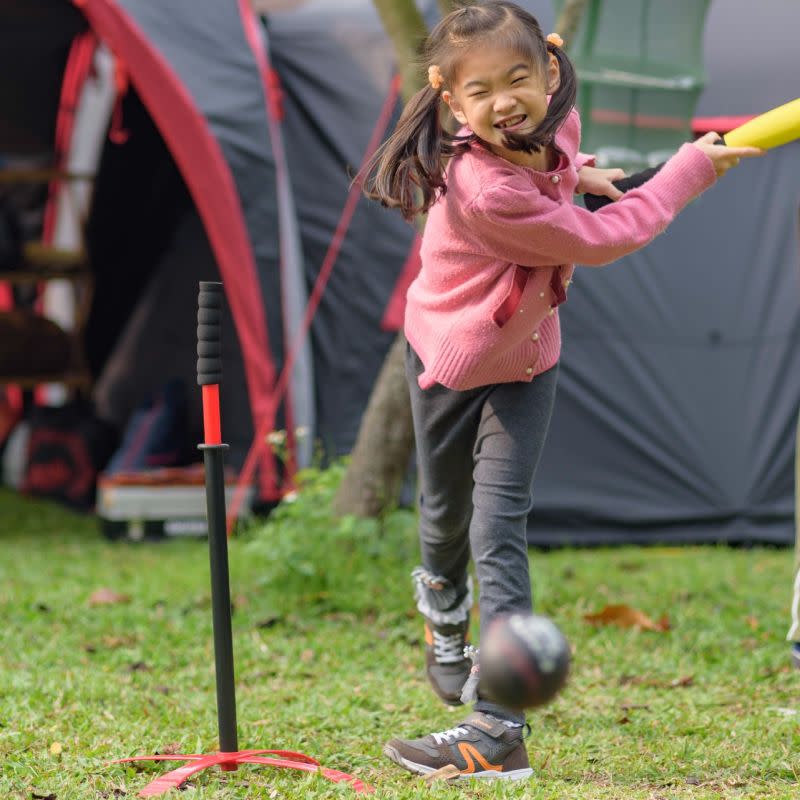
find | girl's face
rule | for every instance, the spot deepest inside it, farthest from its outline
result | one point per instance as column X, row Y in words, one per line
column 496, row 91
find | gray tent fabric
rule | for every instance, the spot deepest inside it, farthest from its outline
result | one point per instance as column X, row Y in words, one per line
column 335, row 68
column 680, row 379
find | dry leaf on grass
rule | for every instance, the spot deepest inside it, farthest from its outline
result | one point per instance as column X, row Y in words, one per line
column 627, row 617
column 660, row 683
column 107, row 597
column 447, row 773
column 170, row 749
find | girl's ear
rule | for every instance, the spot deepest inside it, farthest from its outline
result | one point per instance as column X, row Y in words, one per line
column 455, row 107
column 553, row 74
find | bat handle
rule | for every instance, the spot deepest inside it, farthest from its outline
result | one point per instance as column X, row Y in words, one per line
column 595, row 201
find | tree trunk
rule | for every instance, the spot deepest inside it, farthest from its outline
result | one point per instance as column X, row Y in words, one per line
column 569, row 19
column 382, row 452
column 406, row 29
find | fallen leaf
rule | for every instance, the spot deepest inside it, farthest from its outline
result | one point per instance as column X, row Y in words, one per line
column 170, row 749
column 50, row 796
column 306, row 656
column 107, row 597
column 446, row 773
column 752, row 622
column 644, row 680
column 56, row 748
column 626, row 617
column 114, row 642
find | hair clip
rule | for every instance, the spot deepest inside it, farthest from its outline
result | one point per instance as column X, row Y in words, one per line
column 555, row 40
column 435, row 76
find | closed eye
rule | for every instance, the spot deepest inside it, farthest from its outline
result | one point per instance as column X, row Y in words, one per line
column 477, row 94
column 522, row 78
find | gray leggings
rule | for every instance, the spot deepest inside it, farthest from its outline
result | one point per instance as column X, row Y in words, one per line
column 477, row 453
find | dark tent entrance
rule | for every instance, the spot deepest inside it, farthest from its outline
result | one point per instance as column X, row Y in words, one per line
column 181, row 190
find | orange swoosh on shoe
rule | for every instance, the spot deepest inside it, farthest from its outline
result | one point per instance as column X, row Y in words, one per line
column 471, row 755
column 428, row 636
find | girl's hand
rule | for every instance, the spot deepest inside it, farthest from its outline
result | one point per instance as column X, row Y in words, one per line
column 593, row 180
column 723, row 157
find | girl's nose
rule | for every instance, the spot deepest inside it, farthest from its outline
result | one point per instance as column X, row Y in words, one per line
column 504, row 102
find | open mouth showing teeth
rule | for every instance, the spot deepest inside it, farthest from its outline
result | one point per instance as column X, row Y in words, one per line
column 510, row 122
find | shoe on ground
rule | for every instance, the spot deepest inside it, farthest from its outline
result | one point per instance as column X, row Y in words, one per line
column 480, row 747
column 446, row 665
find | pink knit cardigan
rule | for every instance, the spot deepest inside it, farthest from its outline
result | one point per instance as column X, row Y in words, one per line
column 499, row 250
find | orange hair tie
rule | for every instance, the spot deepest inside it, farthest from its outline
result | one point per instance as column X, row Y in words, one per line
column 555, row 40
column 435, row 76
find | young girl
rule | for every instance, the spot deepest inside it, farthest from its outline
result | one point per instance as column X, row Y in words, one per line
column 500, row 241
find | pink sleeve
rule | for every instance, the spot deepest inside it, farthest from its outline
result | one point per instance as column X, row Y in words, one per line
column 585, row 160
column 518, row 224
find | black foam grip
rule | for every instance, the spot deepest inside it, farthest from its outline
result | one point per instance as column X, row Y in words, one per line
column 209, row 340
column 595, row 201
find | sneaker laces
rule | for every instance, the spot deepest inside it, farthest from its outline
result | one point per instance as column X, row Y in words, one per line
column 450, row 735
column 448, row 648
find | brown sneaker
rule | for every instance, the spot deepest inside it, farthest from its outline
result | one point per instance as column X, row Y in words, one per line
column 446, row 633
column 446, row 665
column 480, row 747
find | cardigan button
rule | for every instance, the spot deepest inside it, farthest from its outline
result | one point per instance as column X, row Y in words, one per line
column 534, row 337
column 529, row 371
column 555, row 179
column 541, row 294
column 551, row 311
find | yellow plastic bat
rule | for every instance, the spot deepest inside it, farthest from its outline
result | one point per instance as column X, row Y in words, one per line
column 770, row 129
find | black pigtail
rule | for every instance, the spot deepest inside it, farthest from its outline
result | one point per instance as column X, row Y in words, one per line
column 407, row 171
column 563, row 99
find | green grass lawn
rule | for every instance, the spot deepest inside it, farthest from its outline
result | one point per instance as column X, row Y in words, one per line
column 328, row 662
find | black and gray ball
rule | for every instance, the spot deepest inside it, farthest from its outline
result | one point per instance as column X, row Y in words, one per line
column 524, row 661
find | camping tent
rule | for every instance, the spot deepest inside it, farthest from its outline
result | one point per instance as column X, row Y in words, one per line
column 678, row 392
column 192, row 183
